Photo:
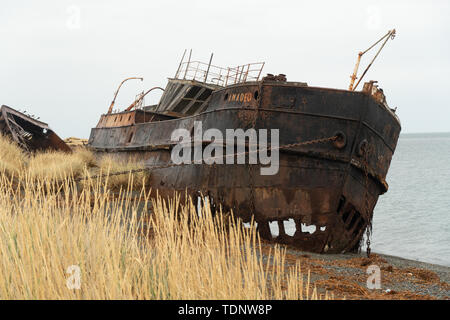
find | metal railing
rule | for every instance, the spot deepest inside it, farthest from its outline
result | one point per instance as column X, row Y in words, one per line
column 208, row 73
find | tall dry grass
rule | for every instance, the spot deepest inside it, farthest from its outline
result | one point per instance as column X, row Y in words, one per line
column 110, row 165
column 126, row 245
column 12, row 159
column 125, row 251
column 57, row 165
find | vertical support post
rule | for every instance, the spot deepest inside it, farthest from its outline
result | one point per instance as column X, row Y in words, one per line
column 196, row 70
column 260, row 70
column 187, row 66
column 226, row 78
column 209, row 65
column 181, row 62
column 220, row 76
column 237, row 72
column 246, row 74
column 240, row 75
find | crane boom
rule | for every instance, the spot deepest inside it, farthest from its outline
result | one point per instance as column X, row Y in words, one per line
column 353, row 77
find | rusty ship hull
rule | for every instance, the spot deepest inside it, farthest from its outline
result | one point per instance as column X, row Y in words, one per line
column 332, row 185
column 29, row 133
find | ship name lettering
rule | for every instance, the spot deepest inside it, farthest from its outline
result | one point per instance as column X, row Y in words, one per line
column 240, row 97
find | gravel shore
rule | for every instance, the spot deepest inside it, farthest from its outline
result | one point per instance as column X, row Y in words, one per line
column 345, row 275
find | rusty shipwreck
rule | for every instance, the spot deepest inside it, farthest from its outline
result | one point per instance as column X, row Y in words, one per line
column 28, row 132
column 335, row 150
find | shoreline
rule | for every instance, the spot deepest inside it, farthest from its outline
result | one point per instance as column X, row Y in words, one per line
column 438, row 268
column 346, row 275
column 437, row 262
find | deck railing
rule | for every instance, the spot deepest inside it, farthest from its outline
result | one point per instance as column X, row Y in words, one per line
column 208, row 73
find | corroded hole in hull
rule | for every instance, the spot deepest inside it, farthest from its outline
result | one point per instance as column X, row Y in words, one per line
column 288, row 227
column 342, row 232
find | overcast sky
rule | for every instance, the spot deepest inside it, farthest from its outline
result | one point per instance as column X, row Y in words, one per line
column 63, row 60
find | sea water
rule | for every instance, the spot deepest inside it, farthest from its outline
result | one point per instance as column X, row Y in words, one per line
column 412, row 220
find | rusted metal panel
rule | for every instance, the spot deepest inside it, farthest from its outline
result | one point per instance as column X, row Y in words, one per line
column 29, row 133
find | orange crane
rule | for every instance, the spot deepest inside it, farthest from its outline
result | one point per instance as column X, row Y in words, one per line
column 353, row 77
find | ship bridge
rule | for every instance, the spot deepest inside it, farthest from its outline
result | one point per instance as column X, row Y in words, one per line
column 189, row 91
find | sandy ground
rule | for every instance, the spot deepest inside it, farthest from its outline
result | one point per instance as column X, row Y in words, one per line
column 345, row 275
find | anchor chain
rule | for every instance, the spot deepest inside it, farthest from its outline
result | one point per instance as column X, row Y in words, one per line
column 286, row 146
column 366, row 199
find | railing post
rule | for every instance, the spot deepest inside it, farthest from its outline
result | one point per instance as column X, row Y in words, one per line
column 187, row 66
column 179, row 66
column 209, row 65
column 196, row 70
column 240, row 75
column 246, row 74
column 220, row 76
column 260, row 70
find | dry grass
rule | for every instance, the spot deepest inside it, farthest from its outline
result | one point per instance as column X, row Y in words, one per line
column 56, row 165
column 124, row 252
column 59, row 165
column 12, row 159
column 110, row 165
column 86, row 156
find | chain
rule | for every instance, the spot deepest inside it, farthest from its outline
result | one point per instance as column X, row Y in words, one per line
column 113, row 174
column 296, row 144
column 366, row 200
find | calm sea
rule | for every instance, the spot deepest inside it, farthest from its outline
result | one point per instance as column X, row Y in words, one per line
column 412, row 220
